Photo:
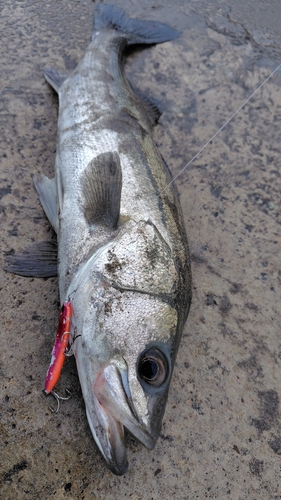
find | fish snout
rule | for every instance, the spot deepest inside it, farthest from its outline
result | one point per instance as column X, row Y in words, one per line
column 112, row 391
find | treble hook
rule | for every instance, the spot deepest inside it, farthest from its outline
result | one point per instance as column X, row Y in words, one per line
column 58, row 399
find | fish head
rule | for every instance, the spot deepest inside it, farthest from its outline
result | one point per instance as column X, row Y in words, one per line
column 128, row 322
column 124, row 356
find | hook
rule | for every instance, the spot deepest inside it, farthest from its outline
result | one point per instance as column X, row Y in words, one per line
column 58, row 399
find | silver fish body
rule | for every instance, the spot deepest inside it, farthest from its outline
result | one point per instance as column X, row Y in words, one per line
column 122, row 248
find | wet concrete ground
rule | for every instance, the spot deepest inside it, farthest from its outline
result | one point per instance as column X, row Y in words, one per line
column 221, row 434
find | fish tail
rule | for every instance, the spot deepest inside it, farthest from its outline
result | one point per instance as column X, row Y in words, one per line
column 137, row 31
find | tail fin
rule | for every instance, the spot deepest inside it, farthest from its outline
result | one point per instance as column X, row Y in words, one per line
column 137, row 31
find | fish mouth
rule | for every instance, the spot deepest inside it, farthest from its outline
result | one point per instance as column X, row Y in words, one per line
column 111, row 411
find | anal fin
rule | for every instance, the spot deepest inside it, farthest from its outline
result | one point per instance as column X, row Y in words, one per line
column 152, row 106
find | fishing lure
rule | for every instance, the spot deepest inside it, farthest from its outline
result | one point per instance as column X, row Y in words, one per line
column 60, row 347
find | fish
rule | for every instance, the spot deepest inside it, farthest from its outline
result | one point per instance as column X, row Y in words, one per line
column 123, row 254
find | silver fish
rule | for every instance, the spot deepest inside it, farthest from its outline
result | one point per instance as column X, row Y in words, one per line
column 122, row 247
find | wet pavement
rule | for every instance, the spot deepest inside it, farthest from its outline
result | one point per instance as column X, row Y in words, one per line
column 221, row 435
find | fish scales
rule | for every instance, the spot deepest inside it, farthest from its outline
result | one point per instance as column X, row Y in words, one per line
column 92, row 107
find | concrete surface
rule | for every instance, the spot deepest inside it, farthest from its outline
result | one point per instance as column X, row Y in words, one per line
column 221, row 434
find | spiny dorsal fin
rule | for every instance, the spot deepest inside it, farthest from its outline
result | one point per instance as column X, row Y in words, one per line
column 101, row 188
column 55, row 78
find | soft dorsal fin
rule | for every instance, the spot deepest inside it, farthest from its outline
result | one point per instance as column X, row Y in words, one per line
column 101, row 188
column 55, row 78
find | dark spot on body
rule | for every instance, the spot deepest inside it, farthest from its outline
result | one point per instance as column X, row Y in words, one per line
column 157, row 472
column 113, row 265
column 236, row 449
column 108, row 308
column 152, row 255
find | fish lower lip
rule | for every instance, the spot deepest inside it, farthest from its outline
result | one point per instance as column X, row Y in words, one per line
column 109, row 410
column 109, row 436
column 120, row 472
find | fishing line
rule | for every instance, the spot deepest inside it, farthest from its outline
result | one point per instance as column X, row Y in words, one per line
column 223, row 126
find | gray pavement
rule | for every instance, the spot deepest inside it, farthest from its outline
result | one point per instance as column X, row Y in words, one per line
column 221, row 434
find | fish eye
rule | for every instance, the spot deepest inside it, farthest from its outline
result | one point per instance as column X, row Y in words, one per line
column 153, row 367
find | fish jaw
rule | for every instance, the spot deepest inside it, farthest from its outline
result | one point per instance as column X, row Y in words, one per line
column 109, row 437
column 115, row 398
column 110, row 409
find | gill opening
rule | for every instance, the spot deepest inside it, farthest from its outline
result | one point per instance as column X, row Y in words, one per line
column 220, row 129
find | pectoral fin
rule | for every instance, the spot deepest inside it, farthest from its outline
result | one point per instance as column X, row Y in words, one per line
column 46, row 188
column 101, row 188
column 37, row 261
column 55, row 78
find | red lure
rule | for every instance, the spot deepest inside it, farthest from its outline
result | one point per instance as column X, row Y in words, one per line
column 60, row 346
